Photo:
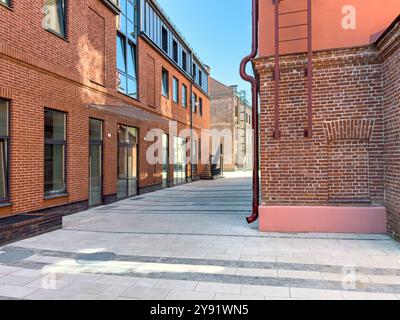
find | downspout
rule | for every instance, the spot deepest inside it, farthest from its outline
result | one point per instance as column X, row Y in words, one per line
column 254, row 91
column 191, row 118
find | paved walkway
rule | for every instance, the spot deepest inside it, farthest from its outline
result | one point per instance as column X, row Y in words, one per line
column 192, row 242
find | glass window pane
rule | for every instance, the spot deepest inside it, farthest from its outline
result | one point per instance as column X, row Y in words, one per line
column 55, row 15
column 122, row 6
column 121, row 53
column 132, row 136
column 95, row 129
column 165, row 83
column 122, row 134
column 131, row 30
column 95, row 175
column 54, row 172
column 3, row 169
column 132, row 60
column 132, row 88
column 3, row 117
column 130, row 11
column 121, row 83
column 176, row 90
column 54, row 125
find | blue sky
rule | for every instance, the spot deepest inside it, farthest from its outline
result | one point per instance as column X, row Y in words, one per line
column 219, row 31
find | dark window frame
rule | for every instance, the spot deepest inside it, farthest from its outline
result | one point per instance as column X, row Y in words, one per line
column 200, row 107
column 195, row 97
column 128, row 145
column 165, row 91
column 58, row 142
column 6, row 154
column 63, row 35
column 184, row 60
column 175, row 51
column 164, row 41
column 129, row 41
column 184, row 95
column 175, row 90
column 7, row 4
column 100, row 143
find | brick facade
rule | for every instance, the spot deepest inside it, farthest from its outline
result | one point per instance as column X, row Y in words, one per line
column 351, row 157
column 230, row 111
column 41, row 70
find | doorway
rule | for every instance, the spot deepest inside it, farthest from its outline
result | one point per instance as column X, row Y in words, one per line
column 165, row 161
column 95, row 162
column 127, row 162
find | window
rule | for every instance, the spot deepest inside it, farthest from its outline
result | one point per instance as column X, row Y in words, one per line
column 54, row 152
column 194, row 71
column 184, row 96
column 184, row 61
column 165, row 83
column 54, row 19
column 175, row 51
column 175, row 90
column 6, row 2
column 164, row 39
column 4, row 150
column 126, row 48
column 200, row 107
column 200, row 78
column 194, row 103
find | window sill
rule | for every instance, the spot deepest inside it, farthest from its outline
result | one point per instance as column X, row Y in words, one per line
column 5, row 6
column 166, row 97
column 56, row 34
column 5, row 204
column 56, row 195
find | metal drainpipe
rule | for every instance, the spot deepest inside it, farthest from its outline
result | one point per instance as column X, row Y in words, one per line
column 254, row 91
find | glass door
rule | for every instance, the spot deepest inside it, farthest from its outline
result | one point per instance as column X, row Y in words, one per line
column 95, row 162
column 165, row 161
column 180, row 160
column 127, row 162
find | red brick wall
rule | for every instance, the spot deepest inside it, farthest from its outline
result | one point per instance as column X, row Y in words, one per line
column 390, row 54
column 347, row 90
column 38, row 70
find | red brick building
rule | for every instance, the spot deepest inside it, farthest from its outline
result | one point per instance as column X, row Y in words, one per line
column 330, row 114
column 81, row 84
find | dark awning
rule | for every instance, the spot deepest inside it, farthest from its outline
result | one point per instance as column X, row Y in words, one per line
column 130, row 112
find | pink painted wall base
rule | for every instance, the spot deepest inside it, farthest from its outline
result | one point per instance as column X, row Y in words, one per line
column 328, row 219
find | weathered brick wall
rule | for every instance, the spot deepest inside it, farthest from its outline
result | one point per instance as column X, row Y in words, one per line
column 390, row 55
column 343, row 162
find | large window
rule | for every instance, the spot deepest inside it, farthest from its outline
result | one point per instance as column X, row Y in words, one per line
column 194, row 103
column 200, row 107
column 164, row 39
column 4, row 150
column 54, row 19
column 175, row 90
column 165, row 83
column 184, row 96
column 175, row 51
column 184, row 61
column 126, row 48
column 127, row 161
column 54, row 152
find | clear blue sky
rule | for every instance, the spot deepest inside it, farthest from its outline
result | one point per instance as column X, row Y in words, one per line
column 219, row 31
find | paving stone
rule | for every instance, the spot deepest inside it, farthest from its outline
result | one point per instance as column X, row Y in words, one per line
column 176, row 284
column 15, row 291
column 269, row 291
column 237, row 297
column 146, row 293
column 189, row 295
column 350, row 295
column 219, row 287
column 43, row 294
column 315, row 294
